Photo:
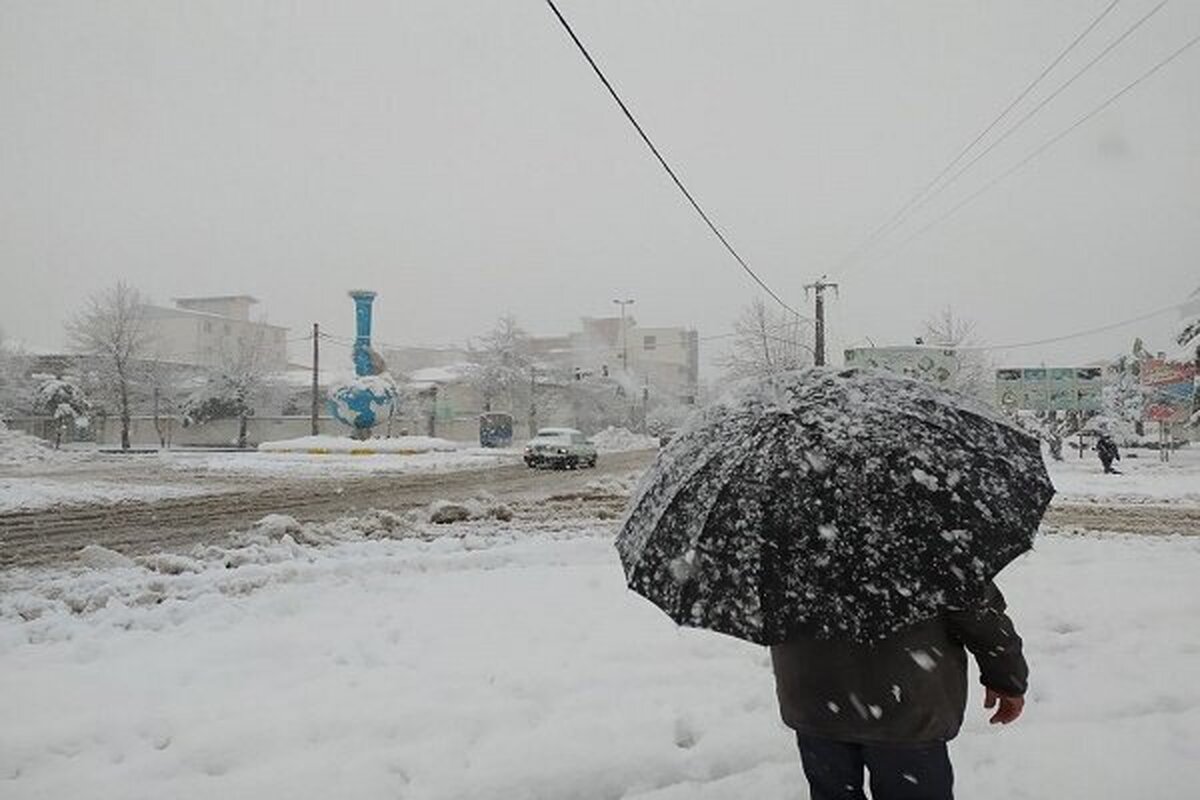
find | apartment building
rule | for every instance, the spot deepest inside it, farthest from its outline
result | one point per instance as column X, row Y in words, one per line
column 204, row 330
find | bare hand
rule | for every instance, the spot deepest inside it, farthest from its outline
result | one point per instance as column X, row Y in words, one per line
column 1010, row 708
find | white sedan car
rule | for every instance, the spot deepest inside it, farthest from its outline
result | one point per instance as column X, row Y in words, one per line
column 565, row 448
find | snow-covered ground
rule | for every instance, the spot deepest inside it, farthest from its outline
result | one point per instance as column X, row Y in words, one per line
column 365, row 659
column 24, row 494
column 34, row 475
column 190, row 473
column 309, row 465
column 1143, row 478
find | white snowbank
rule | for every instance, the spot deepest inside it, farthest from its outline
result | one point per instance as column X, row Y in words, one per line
column 344, row 444
column 100, row 557
column 386, row 665
column 24, row 494
column 482, row 506
column 18, row 449
column 617, row 440
column 304, row 465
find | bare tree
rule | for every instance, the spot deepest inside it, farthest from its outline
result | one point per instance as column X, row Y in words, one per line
column 953, row 332
column 501, row 367
column 111, row 328
column 591, row 402
column 767, row 342
column 946, row 329
column 238, row 387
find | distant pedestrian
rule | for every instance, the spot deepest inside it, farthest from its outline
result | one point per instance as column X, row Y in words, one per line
column 1106, row 448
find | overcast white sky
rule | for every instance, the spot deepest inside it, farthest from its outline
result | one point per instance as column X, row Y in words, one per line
column 462, row 160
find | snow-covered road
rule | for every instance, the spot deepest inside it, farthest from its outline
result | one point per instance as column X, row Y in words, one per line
column 506, row 660
column 186, row 513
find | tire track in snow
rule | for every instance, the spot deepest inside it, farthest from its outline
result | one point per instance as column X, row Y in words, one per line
column 1162, row 520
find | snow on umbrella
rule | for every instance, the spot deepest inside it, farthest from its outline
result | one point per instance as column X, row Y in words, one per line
column 844, row 503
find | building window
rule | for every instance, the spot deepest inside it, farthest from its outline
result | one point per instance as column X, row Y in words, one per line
column 649, row 342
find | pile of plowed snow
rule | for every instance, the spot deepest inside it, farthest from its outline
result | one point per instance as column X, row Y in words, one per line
column 18, row 448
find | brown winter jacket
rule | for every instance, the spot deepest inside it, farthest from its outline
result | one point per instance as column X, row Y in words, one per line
column 909, row 688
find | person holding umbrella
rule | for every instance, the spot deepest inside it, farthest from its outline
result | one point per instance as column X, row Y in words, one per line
column 853, row 521
column 891, row 706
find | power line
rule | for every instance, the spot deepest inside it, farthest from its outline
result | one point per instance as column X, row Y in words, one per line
column 902, row 213
column 793, row 323
column 1050, row 142
column 662, row 161
column 1079, row 334
column 1045, row 101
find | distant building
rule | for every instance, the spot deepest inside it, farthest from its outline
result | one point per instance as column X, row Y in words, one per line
column 664, row 363
column 666, row 360
column 202, row 330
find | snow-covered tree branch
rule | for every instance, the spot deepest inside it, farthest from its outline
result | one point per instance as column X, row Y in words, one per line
column 64, row 401
column 111, row 329
column 975, row 374
column 501, row 368
column 237, row 388
column 767, row 342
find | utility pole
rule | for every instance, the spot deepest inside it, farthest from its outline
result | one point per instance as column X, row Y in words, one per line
column 645, row 406
column 818, row 290
column 431, row 426
column 624, row 335
column 532, row 401
column 316, row 386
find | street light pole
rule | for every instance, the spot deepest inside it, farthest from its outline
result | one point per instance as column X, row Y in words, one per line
column 624, row 335
column 316, row 380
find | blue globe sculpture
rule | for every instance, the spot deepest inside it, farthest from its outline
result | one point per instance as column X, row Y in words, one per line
column 364, row 403
column 368, row 399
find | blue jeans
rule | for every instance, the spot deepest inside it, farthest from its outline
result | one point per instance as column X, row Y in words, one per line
column 898, row 772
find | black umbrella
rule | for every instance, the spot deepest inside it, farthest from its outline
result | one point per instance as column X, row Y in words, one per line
column 842, row 503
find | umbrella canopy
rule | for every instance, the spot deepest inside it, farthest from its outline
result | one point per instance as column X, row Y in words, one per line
column 843, row 503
